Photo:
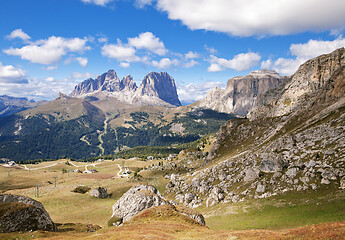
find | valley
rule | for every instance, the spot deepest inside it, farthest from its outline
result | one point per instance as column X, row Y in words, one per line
column 272, row 167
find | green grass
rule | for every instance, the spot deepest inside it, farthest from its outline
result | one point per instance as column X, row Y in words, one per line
column 289, row 210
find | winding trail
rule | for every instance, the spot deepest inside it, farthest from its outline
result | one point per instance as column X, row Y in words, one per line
column 100, row 146
column 29, row 169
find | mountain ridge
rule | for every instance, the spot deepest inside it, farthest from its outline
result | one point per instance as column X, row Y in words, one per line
column 156, row 89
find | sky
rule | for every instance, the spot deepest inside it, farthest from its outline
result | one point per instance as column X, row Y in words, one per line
column 49, row 46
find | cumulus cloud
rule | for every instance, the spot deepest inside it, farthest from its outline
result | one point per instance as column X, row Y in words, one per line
column 240, row 62
column 124, row 64
column 10, row 74
column 81, row 60
column 191, row 55
column 18, row 33
column 97, row 2
column 149, row 42
column 50, row 68
column 192, row 92
column 256, row 17
column 190, row 64
column 302, row 53
column 120, row 52
column 165, row 63
column 49, row 51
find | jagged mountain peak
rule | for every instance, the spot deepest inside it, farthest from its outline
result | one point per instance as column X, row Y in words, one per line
column 157, row 89
column 128, row 83
column 161, row 85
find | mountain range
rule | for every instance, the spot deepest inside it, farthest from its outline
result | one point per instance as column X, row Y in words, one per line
column 156, row 89
column 107, row 115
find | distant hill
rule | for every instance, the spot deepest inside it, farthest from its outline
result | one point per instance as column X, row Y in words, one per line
column 12, row 105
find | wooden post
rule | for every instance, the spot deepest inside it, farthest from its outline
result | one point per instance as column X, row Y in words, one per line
column 55, row 181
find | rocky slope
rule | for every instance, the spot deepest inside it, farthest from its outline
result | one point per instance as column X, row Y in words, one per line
column 19, row 213
column 299, row 148
column 240, row 94
column 156, row 89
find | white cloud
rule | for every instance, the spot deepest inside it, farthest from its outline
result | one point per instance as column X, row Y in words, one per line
column 49, row 51
column 193, row 92
column 165, row 63
column 257, row 17
column 142, row 3
column 50, row 68
column 191, row 63
column 124, row 64
column 314, row 48
column 191, row 55
column 149, row 42
column 50, row 79
column 120, row 52
column 211, row 50
column 240, row 62
column 81, row 60
column 18, row 33
column 10, row 74
column 102, row 39
column 81, row 76
column 97, row 2
column 302, row 53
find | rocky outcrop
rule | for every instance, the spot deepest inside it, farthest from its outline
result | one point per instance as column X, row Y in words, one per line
column 318, row 81
column 272, row 154
column 100, row 192
column 156, row 89
column 19, row 213
column 241, row 93
column 142, row 197
column 135, row 200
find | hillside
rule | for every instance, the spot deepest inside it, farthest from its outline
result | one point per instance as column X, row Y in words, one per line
column 298, row 150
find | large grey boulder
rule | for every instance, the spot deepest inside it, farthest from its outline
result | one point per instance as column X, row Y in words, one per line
column 100, row 192
column 19, row 213
column 142, row 197
column 134, row 201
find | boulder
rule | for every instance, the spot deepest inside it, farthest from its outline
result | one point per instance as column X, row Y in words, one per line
column 100, row 192
column 342, row 183
column 19, row 213
column 134, row 201
column 81, row 189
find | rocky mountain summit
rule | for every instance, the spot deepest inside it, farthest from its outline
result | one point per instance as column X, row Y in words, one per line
column 240, row 94
column 19, row 213
column 156, row 89
column 294, row 141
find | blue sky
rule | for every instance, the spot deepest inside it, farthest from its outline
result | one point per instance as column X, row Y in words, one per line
column 48, row 46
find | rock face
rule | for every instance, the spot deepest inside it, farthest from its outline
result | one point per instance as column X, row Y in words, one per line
column 319, row 80
column 241, row 93
column 142, row 197
column 100, row 192
column 156, row 89
column 19, row 213
column 160, row 85
column 108, row 81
